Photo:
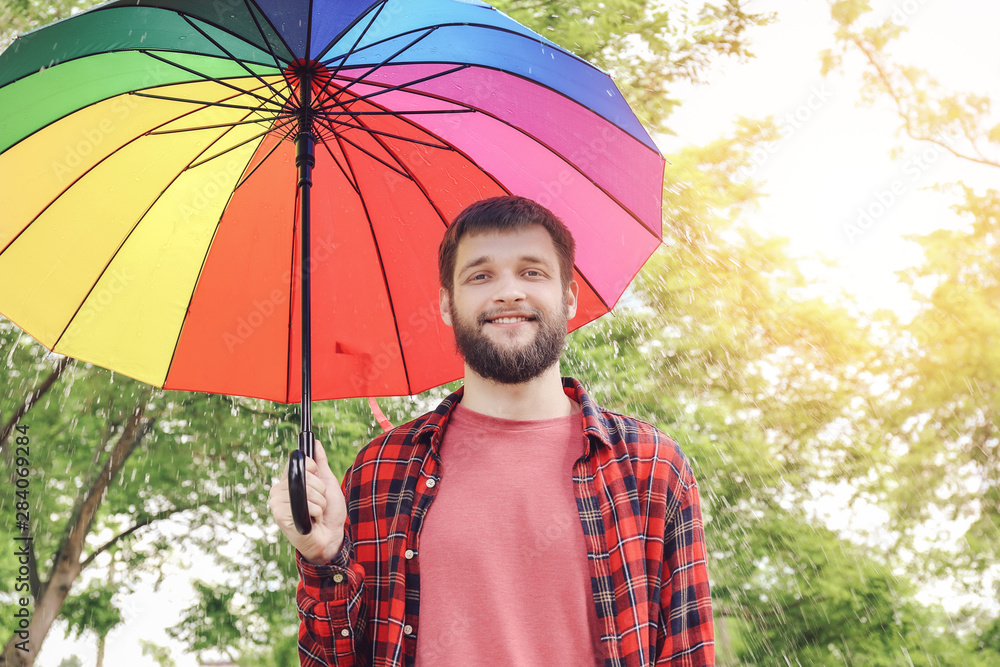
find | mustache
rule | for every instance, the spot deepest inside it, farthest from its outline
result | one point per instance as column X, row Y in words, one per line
column 533, row 313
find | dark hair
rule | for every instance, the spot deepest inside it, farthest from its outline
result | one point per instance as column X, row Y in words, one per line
column 504, row 214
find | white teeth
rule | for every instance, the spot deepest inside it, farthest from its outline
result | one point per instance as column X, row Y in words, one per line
column 509, row 320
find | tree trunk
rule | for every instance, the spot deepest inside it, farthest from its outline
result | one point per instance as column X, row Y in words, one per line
column 68, row 558
column 100, row 650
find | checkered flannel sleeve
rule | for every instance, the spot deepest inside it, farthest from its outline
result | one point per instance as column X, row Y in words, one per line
column 686, row 607
column 333, row 608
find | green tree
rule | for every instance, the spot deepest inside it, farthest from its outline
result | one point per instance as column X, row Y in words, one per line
column 160, row 655
column 93, row 611
column 944, row 364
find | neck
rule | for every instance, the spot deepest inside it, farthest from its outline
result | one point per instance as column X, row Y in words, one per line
column 541, row 398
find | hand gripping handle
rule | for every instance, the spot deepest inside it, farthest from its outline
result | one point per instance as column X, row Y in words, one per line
column 297, row 482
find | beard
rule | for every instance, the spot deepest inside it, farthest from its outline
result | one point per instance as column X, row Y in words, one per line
column 510, row 364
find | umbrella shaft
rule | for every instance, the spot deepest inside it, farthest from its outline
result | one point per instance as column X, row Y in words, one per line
column 304, row 160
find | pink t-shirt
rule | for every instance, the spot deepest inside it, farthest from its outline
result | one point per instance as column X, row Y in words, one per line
column 504, row 578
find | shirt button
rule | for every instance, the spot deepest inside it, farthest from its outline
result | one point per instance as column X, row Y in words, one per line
column 431, row 483
column 345, row 633
column 408, row 554
column 337, row 578
column 407, row 629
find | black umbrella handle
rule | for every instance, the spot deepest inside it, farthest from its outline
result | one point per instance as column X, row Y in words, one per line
column 297, row 482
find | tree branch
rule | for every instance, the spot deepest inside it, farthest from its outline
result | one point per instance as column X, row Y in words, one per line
column 142, row 523
column 901, row 111
column 32, row 398
column 78, row 526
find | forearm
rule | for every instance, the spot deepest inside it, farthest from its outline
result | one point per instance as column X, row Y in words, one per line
column 333, row 611
column 686, row 624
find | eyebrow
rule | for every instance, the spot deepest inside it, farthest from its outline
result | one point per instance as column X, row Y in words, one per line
column 486, row 259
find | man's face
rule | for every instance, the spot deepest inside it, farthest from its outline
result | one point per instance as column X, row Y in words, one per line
column 508, row 308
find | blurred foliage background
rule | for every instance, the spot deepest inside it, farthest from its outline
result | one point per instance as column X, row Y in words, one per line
column 776, row 395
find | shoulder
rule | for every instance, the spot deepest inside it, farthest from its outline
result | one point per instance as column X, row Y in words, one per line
column 397, row 443
column 644, row 443
column 625, row 437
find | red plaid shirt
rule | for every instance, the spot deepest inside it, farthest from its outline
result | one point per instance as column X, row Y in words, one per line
column 641, row 519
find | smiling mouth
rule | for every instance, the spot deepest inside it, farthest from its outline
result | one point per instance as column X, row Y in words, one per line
column 510, row 320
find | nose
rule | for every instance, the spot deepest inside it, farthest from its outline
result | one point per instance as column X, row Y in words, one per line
column 509, row 289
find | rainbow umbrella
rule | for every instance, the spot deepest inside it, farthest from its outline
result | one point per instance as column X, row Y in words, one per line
column 177, row 174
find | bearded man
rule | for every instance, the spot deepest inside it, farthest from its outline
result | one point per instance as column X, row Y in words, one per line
column 518, row 523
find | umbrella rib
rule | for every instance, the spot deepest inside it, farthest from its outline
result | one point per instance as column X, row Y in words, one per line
column 364, row 32
column 309, row 13
column 234, row 58
column 400, row 86
column 242, row 143
column 416, row 181
column 247, row 176
column 372, row 131
column 349, row 177
column 296, row 254
column 124, row 240
column 421, row 112
column 429, row 29
column 205, row 77
column 244, row 107
column 385, row 279
column 371, row 155
column 351, row 50
column 446, row 146
column 270, row 49
column 375, row 68
column 593, row 289
column 215, row 127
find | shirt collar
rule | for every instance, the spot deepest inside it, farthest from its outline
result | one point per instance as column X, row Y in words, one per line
column 595, row 426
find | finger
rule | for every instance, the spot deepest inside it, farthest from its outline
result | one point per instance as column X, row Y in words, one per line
column 315, row 483
column 279, row 490
column 280, row 483
column 317, row 503
column 320, row 454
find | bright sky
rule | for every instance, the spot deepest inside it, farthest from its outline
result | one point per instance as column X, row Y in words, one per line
column 833, row 160
column 834, row 157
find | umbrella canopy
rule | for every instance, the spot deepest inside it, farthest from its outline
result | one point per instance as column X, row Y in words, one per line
column 148, row 173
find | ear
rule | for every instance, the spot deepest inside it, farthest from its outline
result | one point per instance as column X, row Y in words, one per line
column 572, row 294
column 445, row 305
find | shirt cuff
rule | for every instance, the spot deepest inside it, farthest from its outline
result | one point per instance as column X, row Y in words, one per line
column 332, row 578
